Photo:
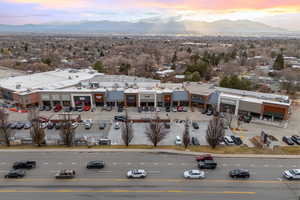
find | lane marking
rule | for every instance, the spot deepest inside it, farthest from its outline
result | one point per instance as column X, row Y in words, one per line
column 154, row 172
column 266, row 165
column 127, row 191
column 128, row 163
column 155, row 163
column 59, row 163
column 169, row 164
column 45, row 163
column 142, row 163
column 3, row 163
column 104, row 171
column 74, row 163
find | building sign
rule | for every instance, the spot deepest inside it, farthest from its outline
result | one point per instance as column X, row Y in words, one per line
column 99, row 97
column 167, row 98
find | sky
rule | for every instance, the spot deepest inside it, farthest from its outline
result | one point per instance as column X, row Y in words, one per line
column 278, row 13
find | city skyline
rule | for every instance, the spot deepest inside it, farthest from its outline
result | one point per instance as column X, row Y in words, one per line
column 283, row 14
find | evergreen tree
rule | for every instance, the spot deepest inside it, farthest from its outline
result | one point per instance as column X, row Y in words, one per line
column 98, row 66
column 279, row 63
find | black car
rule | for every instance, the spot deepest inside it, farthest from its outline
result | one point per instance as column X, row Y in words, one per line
column 204, row 111
column 152, row 109
column 13, row 125
column 15, row 174
column 95, row 164
column 209, row 112
column 48, row 108
column 120, row 118
column 120, row 109
column 41, row 108
column 287, row 140
column 140, row 109
column 195, row 141
column 102, row 126
column 237, row 140
column 239, row 173
column 167, row 125
column 296, row 139
column 50, row 125
column 68, row 109
column 195, row 125
column 207, row 164
column 168, row 109
column 20, row 125
column 29, row 164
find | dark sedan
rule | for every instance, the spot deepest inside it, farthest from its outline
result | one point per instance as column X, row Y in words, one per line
column 95, row 164
column 239, row 173
column 287, row 140
column 24, row 164
column 296, row 139
column 15, row 174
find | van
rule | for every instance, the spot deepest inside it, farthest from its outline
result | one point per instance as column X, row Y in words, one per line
column 178, row 140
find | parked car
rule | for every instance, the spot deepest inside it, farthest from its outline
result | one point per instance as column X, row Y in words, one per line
column 237, row 140
column 120, row 109
column 58, row 126
column 195, row 125
column 292, row 174
column 41, row 108
column 104, row 141
column 86, row 108
column 287, row 140
column 74, row 125
column 167, row 125
column 204, row 157
column 88, row 124
column 95, row 164
column 194, row 174
column 180, row 109
column 204, row 111
column 13, row 125
column 239, row 173
column 44, row 125
column 65, row 174
column 178, row 140
column 29, row 164
column 168, row 109
column 228, row 141
column 20, row 125
column 27, row 125
column 140, row 109
column 102, row 126
column 296, row 139
column 79, row 108
column 107, row 108
column 207, row 164
column 57, row 108
column 136, row 173
column 68, row 109
column 185, row 109
column 120, row 118
column 48, row 108
column 209, row 112
column 195, row 141
column 50, row 125
column 15, row 174
column 117, row 126
column 174, row 109
column 158, row 109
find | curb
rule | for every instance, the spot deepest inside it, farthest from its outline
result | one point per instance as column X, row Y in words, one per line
column 263, row 156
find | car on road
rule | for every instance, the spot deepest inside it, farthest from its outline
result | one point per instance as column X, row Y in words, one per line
column 68, row 109
column 95, row 164
column 195, row 125
column 207, row 164
column 195, row 141
column 237, row 140
column 41, row 108
column 74, row 125
column 168, row 109
column 296, row 139
column 239, row 173
column 117, row 126
column 228, row 141
column 136, row 173
column 178, row 140
column 102, row 126
column 44, row 125
column 28, row 164
column 287, row 140
column 48, row 108
column 204, row 157
column 65, row 174
column 15, row 174
column 292, row 174
column 194, row 174
column 104, row 141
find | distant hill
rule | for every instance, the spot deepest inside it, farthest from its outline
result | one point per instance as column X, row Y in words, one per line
column 221, row 27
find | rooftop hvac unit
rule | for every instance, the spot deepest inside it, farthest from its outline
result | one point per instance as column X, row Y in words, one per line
column 18, row 86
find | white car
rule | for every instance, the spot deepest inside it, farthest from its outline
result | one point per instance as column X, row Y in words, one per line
column 178, row 140
column 117, row 125
column 136, row 173
column 228, row 141
column 292, row 174
column 158, row 109
column 75, row 125
column 194, row 174
column 88, row 123
column 174, row 109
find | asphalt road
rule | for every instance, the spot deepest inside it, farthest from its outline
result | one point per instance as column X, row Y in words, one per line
column 165, row 180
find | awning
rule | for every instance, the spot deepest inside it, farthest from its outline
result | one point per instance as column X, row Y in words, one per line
column 115, row 96
column 180, row 96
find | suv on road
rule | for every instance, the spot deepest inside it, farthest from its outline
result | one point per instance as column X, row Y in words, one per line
column 95, row 164
column 136, row 173
column 292, row 174
column 239, row 173
column 15, row 174
column 207, row 164
column 65, row 174
column 24, row 164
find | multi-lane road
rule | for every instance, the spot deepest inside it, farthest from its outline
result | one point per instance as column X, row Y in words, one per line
column 165, row 179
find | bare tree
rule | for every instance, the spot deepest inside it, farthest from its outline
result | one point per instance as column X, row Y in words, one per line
column 127, row 131
column 37, row 133
column 5, row 132
column 156, row 131
column 67, row 131
column 186, row 139
column 228, row 117
column 215, row 131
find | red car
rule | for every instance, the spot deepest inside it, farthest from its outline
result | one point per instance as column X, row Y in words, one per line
column 204, row 157
column 57, row 108
column 180, row 109
column 86, row 108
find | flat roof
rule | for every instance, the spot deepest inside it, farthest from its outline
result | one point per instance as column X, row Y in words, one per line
column 51, row 80
column 200, row 88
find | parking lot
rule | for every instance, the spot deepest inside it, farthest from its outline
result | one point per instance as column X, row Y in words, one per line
column 98, row 116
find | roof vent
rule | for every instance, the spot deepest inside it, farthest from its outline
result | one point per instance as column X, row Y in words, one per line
column 18, row 86
column 69, row 77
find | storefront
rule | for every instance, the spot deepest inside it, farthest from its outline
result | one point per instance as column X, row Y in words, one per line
column 99, row 99
column 147, row 99
column 131, row 100
column 198, row 101
column 167, row 100
column 81, row 100
column 228, row 105
column 275, row 112
column 115, row 98
column 180, row 98
column 251, row 107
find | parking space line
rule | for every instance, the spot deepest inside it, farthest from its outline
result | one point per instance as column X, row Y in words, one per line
column 266, row 165
column 170, row 164
column 104, row 171
column 128, row 163
column 45, row 163
column 3, row 163
column 74, row 163
column 59, row 163
column 142, row 163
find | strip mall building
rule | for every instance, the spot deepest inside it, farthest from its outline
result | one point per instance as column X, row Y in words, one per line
column 70, row 87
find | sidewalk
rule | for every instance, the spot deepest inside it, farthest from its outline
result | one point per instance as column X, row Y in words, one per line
column 157, row 151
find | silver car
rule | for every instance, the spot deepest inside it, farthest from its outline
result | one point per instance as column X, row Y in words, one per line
column 136, row 173
column 292, row 174
column 194, row 174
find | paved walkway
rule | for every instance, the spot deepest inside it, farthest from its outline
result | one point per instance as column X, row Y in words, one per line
column 157, row 151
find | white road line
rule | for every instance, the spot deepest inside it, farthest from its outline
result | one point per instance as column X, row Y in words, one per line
column 156, row 163
column 266, row 165
column 252, row 165
column 142, row 163
column 129, row 163
column 154, row 172
column 74, row 163
column 3, row 163
column 45, row 163
column 104, row 171
column 294, row 166
column 59, row 163
column 170, row 164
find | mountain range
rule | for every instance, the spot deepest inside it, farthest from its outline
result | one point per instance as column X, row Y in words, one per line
column 221, row 27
